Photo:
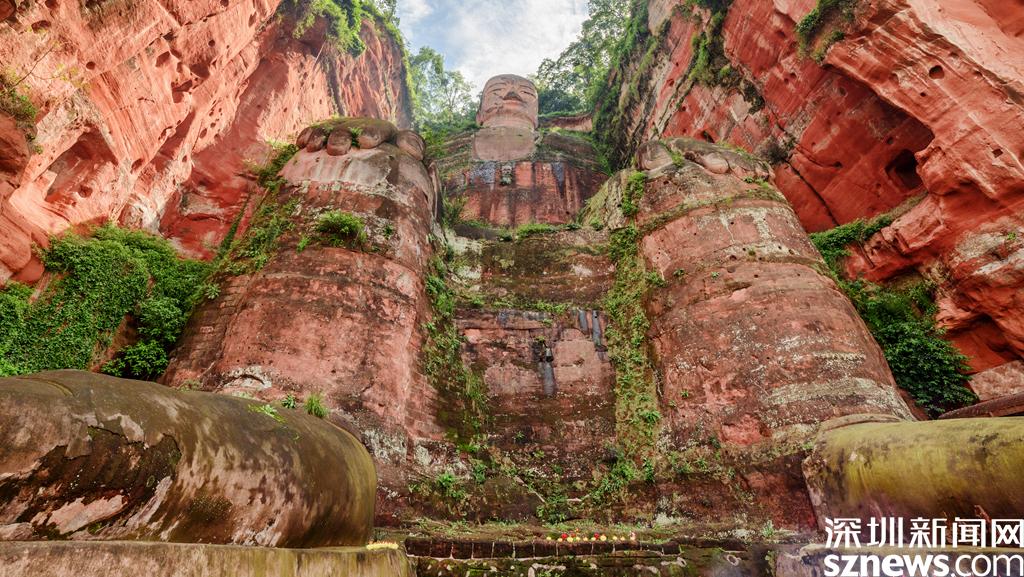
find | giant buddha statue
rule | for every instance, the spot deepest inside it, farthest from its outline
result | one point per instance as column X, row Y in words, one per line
column 509, row 115
column 508, row 101
column 512, row 171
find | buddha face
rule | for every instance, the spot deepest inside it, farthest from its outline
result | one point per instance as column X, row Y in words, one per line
column 508, row 100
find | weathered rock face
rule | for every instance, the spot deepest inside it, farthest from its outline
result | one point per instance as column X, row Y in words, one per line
column 515, row 176
column 999, row 382
column 549, row 382
column 753, row 345
column 529, row 318
column 149, row 111
column 337, row 316
column 920, row 100
column 537, row 339
column 936, row 470
column 556, row 267
column 91, row 457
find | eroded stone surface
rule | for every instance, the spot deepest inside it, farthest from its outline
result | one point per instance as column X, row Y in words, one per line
column 514, row 176
column 149, row 112
column 343, row 321
column 999, row 382
column 549, row 381
column 754, row 346
column 920, row 99
column 91, row 457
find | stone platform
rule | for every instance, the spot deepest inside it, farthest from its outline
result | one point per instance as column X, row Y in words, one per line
column 124, row 559
column 440, row 557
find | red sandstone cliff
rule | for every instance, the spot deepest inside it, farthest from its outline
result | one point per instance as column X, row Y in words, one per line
column 920, row 107
column 149, row 110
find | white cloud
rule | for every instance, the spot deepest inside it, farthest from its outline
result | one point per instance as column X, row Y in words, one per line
column 482, row 38
column 411, row 12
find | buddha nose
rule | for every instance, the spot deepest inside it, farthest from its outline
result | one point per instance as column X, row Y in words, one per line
column 513, row 95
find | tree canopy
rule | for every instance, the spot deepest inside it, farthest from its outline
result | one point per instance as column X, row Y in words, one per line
column 570, row 83
column 445, row 99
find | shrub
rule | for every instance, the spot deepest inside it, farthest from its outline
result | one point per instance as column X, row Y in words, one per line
column 339, row 228
column 144, row 360
column 614, row 483
column 315, row 406
column 834, row 244
column 12, row 102
column 14, row 304
column 924, row 364
column 99, row 281
column 161, row 320
column 535, row 228
column 447, row 485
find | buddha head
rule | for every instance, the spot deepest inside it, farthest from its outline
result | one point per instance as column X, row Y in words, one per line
column 508, row 100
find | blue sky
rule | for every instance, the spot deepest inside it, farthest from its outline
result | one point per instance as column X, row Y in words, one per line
column 483, row 38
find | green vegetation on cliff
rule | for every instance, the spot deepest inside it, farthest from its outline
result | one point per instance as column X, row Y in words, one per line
column 340, row 228
column 710, row 66
column 632, row 60
column 98, row 282
column 834, row 245
column 902, row 320
column 344, row 21
column 464, row 407
column 251, row 252
column 636, row 401
column 12, row 102
column 811, row 27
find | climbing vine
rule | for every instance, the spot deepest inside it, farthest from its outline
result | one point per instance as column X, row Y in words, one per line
column 636, row 404
column 465, row 408
column 99, row 280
